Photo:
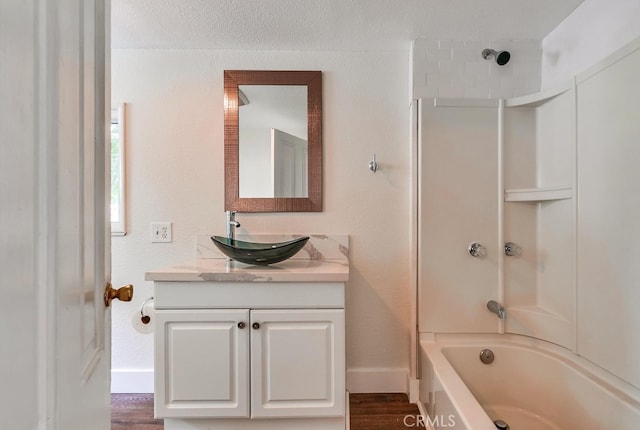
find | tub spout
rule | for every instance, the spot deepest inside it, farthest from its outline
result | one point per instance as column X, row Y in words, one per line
column 497, row 309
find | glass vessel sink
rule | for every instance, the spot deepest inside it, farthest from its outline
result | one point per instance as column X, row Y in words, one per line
column 259, row 253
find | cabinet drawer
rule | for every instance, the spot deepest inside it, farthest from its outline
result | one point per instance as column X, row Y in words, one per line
column 254, row 295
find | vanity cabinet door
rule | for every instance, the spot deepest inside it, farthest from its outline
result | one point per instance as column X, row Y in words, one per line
column 297, row 363
column 202, row 363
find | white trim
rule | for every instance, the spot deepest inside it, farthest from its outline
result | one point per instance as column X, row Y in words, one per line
column 306, row 423
column 423, row 412
column 501, row 222
column 347, row 411
column 608, row 61
column 132, row 381
column 471, row 103
column 414, row 390
column 414, row 237
column 378, row 380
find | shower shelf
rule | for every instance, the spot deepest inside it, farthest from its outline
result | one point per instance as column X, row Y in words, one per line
column 537, row 321
column 538, row 194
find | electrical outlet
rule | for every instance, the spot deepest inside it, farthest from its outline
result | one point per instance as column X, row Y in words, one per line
column 161, row 232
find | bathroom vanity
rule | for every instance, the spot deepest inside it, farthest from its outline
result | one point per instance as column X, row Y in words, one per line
column 248, row 347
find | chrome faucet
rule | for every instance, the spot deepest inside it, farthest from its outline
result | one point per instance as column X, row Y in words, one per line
column 232, row 224
column 497, row 309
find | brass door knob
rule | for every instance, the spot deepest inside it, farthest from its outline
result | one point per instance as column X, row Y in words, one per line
column 124, row 294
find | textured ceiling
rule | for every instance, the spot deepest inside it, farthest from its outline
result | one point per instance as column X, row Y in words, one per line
column 326, row 24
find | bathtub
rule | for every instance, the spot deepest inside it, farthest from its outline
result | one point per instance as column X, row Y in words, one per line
column 530, row 385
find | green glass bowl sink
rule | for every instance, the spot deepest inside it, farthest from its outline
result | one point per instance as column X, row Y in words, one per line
column 259, row 253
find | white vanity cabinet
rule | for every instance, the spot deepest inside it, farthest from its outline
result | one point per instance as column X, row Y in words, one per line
column 249, row 363
column 236, row 354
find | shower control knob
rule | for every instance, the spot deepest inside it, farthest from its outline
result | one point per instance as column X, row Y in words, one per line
column 477, row 250
column 512, row 250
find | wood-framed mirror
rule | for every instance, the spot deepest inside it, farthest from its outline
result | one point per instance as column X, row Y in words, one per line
column 273, row 141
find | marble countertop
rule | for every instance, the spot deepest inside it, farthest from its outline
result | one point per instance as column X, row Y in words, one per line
column 219, row 269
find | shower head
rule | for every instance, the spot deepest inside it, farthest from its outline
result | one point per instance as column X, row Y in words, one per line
column 502, row 57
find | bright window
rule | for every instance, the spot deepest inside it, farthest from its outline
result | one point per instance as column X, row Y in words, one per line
column 117, row 171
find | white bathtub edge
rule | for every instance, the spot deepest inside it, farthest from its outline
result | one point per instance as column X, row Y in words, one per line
column 473, row 416
column 423, row 412
column 470, row 412
column 611, row 382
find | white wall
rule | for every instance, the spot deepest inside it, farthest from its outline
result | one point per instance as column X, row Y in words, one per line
column 594, row 30
column 455, row 68
column 606, row 272
column 608, row 213
column 175, row 173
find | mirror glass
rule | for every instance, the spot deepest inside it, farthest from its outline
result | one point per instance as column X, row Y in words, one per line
column 272, row 141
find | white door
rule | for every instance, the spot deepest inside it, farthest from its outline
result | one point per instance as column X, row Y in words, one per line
column 289, row 164
column 55, row 111
column 297, row 363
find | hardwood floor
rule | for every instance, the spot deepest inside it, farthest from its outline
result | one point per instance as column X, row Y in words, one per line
column 368, row 412
column 381, row 411
column 133, row 412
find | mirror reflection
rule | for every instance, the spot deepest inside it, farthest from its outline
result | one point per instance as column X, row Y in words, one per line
column 273, row 141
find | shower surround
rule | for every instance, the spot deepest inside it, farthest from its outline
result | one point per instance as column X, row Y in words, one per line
column 552, row 176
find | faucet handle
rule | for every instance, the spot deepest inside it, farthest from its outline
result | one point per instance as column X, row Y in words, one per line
column 477, row 250
column 232, row 224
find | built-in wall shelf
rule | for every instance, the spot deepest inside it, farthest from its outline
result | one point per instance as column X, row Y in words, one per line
column 540, row 322
column 539, row 98
column 540, row 194
column 457, row 102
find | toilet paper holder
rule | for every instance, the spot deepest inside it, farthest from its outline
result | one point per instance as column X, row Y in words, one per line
column 146, row 319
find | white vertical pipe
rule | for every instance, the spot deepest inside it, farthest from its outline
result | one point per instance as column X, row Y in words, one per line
column 574, row 344
column 501, row 211
column 414, row 240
